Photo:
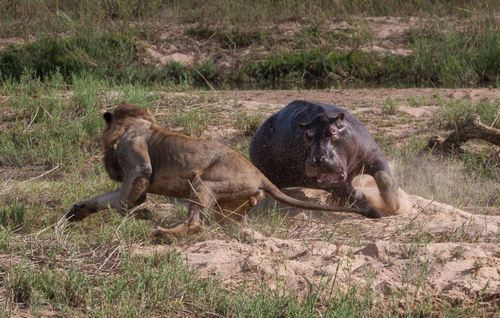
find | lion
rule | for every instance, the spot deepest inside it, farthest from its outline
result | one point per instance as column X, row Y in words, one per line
column 147, row 158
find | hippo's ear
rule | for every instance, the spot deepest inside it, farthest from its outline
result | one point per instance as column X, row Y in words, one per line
column 108, row 117
column 337, row 119
column 309, row 124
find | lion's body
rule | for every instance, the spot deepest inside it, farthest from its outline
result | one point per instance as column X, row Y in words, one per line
column 147, row 158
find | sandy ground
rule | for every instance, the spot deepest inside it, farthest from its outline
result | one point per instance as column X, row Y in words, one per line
column 430, row 250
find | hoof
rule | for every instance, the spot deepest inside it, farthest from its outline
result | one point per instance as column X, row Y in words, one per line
column 373, row 213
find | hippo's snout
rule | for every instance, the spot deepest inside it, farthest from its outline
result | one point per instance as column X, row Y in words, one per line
column 328, row 179
column 325, row 172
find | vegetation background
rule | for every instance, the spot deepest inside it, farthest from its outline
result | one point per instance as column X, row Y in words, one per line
column 63, row 62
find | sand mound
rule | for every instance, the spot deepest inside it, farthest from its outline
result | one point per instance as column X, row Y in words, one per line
column 432, row 249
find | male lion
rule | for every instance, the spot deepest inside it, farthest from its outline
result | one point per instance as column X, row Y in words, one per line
column 147, row 158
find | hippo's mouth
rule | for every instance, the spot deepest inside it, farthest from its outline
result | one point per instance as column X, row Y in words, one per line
column 330, row 178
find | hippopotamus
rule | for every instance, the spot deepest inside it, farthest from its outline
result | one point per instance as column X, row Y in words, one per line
column 315, row 145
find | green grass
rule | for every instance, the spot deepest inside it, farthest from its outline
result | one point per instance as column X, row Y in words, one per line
column 47, row 127
column 44, row 130
column 389, row 107
column 263, row 12
column 447, row 58
column 313, row 56
column 12, row 216
column 58, row 16
column 106, row 55
column 454, row 114
column 109, row 56
column 248, row 123
column 194, row 122
column 227, row 38
column 464, row 57
column 161, row 285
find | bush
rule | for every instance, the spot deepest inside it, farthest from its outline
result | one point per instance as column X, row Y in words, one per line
column 454, row 114
column 106, row 55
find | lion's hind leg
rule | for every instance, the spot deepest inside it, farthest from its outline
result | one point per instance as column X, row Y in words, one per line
column 202, row 197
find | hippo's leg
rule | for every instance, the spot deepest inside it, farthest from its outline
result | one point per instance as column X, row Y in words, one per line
column 346, row 193
column 388, row 188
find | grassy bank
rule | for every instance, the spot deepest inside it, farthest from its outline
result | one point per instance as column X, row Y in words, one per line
column 113, row 41
column 449, row 59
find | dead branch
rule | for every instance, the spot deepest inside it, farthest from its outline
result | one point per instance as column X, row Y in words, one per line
column 454, row 139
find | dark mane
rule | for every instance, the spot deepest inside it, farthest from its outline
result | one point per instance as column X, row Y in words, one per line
column 125, row 110
column 113, row 132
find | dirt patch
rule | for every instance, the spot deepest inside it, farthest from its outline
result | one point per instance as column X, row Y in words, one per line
column 160, row 56
column 388, row 35
column 434, row 249
column 5, row 42
column 430, row 249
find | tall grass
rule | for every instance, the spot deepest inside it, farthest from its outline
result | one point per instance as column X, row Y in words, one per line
column 45, row 125
column 441, row 58
column 107, row 55
column 110, row 46
column 453, row 58
column 461, row 57
column 454, row 114
column 26, row 17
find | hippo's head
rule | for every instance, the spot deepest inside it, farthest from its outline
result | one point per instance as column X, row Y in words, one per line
column 324, row 138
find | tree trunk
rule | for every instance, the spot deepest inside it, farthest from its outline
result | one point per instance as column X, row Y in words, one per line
column 454, row 139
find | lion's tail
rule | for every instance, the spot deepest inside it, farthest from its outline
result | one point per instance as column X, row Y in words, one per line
column 276, row 193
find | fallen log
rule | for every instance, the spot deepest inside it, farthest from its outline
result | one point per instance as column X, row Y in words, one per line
column 454, row 139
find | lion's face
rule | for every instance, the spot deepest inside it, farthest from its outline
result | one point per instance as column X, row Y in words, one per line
column 127, row 111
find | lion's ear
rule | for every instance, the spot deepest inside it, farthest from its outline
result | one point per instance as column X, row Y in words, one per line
column 150, row 115
column 108, row 117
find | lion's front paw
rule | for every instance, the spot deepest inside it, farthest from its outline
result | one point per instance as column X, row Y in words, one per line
column 78, row 212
